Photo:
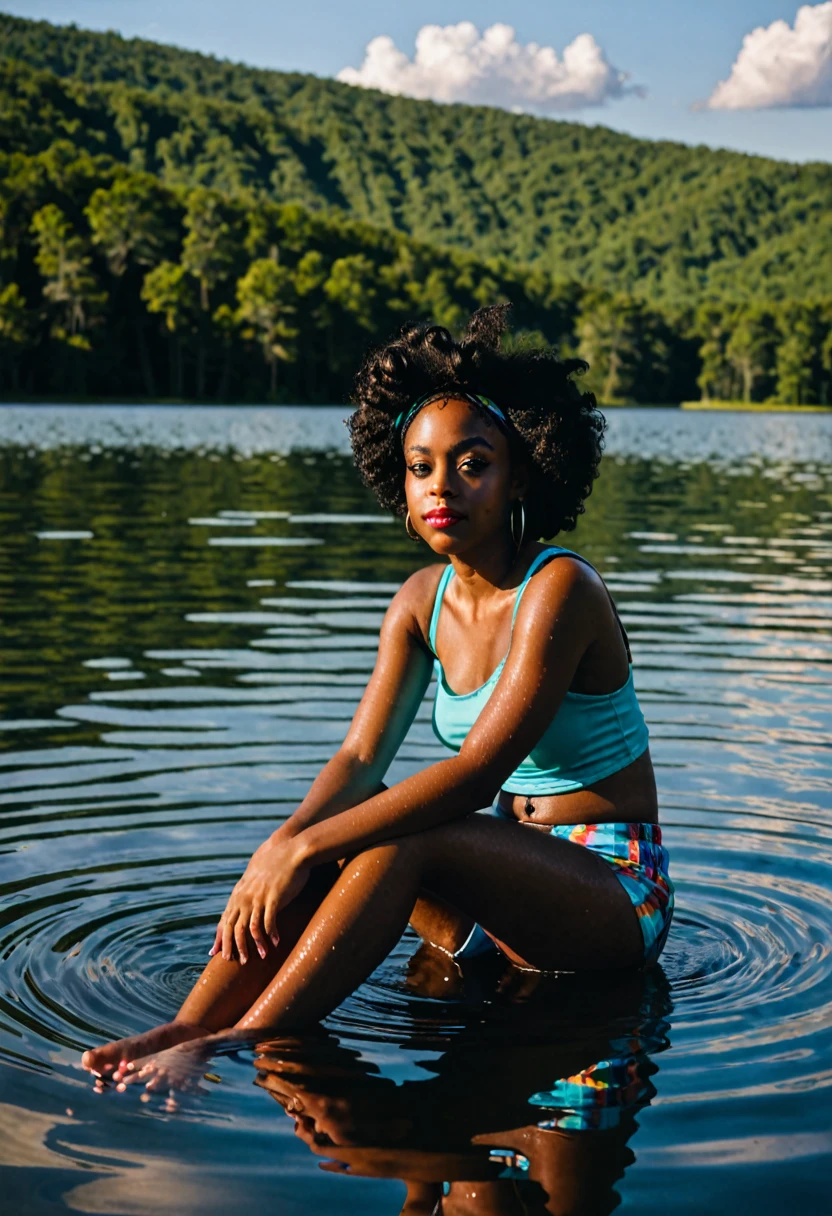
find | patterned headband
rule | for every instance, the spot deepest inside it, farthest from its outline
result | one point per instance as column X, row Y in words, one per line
column 406, row 416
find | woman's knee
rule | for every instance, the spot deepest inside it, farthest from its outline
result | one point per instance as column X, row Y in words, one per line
column 405, row 849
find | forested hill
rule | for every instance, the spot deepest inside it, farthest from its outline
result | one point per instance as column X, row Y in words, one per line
column 172, row 225
column 672, row 224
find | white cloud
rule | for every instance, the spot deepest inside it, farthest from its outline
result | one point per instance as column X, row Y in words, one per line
column 457, row 63
column 781, row 66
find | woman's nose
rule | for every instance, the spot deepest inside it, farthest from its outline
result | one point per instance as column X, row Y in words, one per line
column 442, row 482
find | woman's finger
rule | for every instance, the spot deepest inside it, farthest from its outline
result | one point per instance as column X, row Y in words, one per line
column 228, row 937
column 256, row 931
column 240, row 938
column 218, row 936
column 270, row 919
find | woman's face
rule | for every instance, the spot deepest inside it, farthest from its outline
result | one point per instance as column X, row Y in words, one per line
column 459, row 482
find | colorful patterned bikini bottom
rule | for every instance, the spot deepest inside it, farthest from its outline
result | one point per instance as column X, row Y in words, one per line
column 639, row 860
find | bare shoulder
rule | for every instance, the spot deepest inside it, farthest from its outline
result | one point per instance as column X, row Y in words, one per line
column 412, row 604
column 563, row 583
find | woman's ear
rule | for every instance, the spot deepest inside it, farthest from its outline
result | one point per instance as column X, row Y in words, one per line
column 519, row 482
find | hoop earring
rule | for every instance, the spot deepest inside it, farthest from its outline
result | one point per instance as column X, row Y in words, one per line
column 518, row 543
column 409, row 529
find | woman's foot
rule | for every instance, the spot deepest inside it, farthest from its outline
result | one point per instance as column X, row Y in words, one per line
column 113, row 1058
column 178, row 1068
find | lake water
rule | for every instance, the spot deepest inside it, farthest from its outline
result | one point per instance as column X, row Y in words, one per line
column 190, row 604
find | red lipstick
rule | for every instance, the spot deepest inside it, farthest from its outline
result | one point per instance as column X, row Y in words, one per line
column 442, row 517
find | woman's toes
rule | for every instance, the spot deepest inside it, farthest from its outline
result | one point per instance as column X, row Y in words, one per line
column 104, row 1061
column 132, row 1075
column 91, row 1060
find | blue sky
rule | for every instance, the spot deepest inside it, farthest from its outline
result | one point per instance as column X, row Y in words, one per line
column 677, row 49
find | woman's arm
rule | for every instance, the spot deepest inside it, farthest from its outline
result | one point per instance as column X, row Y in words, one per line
column 558, row 619
column 384, row 715
column 381, row 721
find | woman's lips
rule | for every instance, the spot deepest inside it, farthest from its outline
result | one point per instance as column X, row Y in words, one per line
column 442, row 519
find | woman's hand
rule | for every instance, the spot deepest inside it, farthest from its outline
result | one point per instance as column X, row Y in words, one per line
column 272, row 879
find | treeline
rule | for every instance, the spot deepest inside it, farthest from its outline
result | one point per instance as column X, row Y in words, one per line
column 115, row 283
column 666, row 222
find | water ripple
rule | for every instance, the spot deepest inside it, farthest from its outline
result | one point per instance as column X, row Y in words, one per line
column 121, row 838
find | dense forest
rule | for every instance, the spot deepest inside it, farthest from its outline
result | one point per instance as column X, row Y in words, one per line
column 177, row 225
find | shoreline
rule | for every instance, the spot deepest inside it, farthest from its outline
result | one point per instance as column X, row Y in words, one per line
column 21, row 401
column 755, row 407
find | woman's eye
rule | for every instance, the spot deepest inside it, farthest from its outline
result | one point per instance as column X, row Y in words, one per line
column 474, row 464
column 419, row 470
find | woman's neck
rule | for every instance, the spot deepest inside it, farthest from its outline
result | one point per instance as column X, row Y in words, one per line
column 493, row 569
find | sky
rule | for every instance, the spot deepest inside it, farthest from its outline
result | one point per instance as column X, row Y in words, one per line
column 751, row 75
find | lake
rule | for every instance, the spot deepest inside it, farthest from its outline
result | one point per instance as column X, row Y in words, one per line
column 190, row 603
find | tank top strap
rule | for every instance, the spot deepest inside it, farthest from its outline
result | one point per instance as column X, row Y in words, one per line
column 437, row 604
column 552, row 551
column 557, row 551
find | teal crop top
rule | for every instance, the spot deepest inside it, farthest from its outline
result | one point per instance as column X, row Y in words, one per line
column 589, row 738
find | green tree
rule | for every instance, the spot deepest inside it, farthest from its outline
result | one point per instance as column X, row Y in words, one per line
column 225, row 326
column 209, row 248
column 617, row 337
column 437, row 297
column 750, row 349
column 716, row 379
column 16, row 332
column 127, row 223
column 74, row 297
column 825, row 394
column 314, row 316
column 265, row 296
column 170, row 291
column 352, row 290
column 352, row 287
column 799, row 354
column 208, row 253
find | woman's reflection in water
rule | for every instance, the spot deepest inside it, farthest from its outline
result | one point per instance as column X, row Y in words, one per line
column 528, row 1112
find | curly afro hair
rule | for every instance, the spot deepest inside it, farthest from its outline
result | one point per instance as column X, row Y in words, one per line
column 556, row 430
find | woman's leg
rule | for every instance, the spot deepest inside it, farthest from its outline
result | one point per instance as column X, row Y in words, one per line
column 227, row 989
column 223, row 992
column 549, row 903
column 436, row 921
column 439, row 923
column 554, row 905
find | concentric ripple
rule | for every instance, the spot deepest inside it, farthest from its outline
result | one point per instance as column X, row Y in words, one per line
column 168, row 700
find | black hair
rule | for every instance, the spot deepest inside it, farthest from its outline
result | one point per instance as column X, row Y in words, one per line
column 555, row 429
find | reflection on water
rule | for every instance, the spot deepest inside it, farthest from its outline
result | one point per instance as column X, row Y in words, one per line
column 474, row 1121
column 190, row 603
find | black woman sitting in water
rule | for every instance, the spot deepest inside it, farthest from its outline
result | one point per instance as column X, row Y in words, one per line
column 482, row 451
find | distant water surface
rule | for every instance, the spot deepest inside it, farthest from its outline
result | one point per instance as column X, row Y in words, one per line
column 190, row 602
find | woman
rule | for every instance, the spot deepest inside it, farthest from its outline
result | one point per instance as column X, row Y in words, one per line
column 534, row 696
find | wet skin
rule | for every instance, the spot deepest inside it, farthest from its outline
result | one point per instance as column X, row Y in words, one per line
column 301, row 931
